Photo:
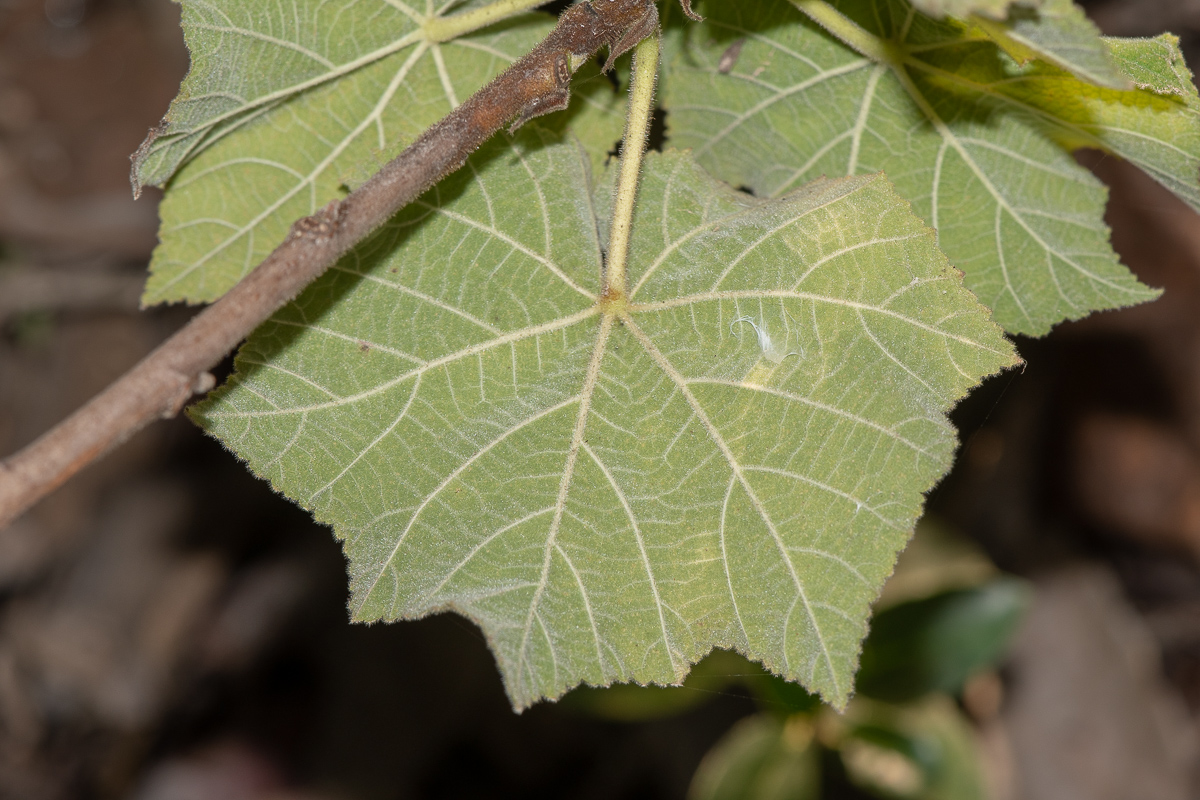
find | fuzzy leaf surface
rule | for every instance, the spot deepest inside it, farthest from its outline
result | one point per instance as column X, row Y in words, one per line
column 995, row 9
column 611, row 488
column 285, row 109
column 1060, row 33
column 980, row 145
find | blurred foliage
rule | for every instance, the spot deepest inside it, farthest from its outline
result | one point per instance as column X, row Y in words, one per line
column 938, row 643
column 764, row 758
column 30, row 329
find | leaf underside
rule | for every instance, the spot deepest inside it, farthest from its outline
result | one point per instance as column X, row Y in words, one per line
column 1060, row 33
column 1057, row 31
column 734, row 455
column 286, row 109
column 979, row 145
column 996, row 9
column 731, row 458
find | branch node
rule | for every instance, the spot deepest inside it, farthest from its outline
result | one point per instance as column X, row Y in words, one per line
column 204, row 383
column 186, row 388
column 320, row 226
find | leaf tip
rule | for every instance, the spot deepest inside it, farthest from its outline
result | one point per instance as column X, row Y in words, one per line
column 138, row 158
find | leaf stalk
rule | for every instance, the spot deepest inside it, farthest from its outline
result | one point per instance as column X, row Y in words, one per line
column 443, row 29
column 847, row 30
column 633, row 152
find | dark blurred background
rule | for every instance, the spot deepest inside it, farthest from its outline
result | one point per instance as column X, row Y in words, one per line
column 172, row 630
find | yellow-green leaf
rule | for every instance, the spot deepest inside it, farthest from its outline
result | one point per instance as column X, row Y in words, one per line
column 730, row 456
column 288, row 108
column 979, row 145
column 995, row 9
column 1060, row 33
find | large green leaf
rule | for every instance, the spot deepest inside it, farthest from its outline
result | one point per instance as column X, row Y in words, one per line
column 613, row 487
column 285, row 108
column 979, row 145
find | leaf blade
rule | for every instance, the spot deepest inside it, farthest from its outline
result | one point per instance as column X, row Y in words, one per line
column 257, row 140
column 996, row 9
column 594, row 486
column 1060, row 33
column 986, row 168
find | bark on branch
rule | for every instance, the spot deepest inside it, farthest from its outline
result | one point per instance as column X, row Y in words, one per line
column 165, row 380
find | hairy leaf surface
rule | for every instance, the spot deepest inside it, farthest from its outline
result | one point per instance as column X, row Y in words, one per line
column 996, row 9
column 979, row 145
column 287, row 108
column 729, row 455
column 1055, row 30
column 1059, row 32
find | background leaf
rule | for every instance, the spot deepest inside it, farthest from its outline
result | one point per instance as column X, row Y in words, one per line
column 284, row 110
column 936, row 644
column 1059, row 32
column 922, row 751
column 978, row 144
column 611, row 491
column 761, row 758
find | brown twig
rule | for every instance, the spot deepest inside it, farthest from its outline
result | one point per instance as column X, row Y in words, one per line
column 166, row 379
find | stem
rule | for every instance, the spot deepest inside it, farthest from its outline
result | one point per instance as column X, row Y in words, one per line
column 637, row 129
column 846, row 29
column 443, row 29
column 165, row 380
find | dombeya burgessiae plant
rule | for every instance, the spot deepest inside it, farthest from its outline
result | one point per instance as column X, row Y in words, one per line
column 619, row 413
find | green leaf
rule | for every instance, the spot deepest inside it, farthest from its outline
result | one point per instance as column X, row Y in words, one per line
column 917, row 751
column 938, row 643
column 1060, row 33
column 1156, row 128
column 610, row 488
column 248, row 59
column 1156, row 65
column 1057, row 31
column 286, row 109
column 761, row 758
column 978, row 144
column 995, row 9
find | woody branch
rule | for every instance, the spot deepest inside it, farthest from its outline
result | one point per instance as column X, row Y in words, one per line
column 163, row 382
